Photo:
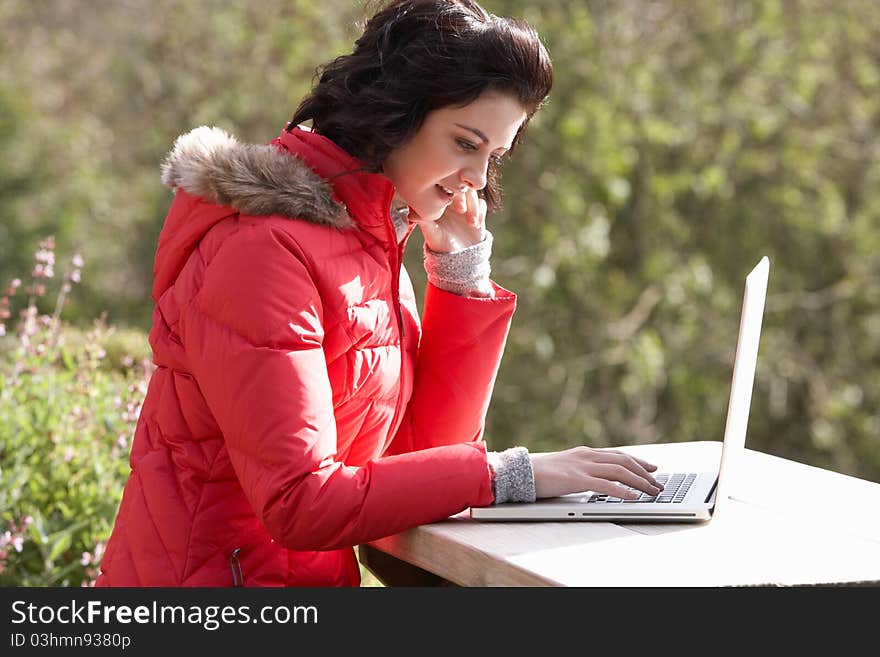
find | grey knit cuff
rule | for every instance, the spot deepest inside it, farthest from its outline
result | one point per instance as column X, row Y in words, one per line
column 514, row 479
column 464, row 272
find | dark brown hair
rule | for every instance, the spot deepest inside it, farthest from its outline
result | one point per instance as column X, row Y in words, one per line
column 416, row 56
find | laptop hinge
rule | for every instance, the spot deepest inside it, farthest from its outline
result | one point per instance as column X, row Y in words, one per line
column 712, row 491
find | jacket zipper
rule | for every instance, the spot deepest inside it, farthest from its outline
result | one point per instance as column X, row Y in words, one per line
column 395, row 297
column 235, row 566
column 396, row 292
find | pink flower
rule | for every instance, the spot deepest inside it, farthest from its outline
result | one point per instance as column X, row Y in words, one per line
column 45, row 255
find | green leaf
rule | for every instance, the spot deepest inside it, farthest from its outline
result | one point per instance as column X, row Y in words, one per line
column 60, row 544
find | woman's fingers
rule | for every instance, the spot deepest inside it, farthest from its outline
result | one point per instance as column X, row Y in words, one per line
column 614, row 472
column 482, row 211
column 460, row 203
column 471, row 206
column 461, row 225
column 466, row 217
column 645, row 464
column 637, row 465
column 606, row 487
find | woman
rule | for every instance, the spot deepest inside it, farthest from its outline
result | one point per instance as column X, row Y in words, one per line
column 299, row 407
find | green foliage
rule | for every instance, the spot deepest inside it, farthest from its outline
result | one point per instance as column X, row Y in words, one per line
column 92, row 95
column 67, row 417
column 681, row 143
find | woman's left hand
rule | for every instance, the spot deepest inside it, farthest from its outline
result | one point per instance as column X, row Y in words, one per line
column 463, row 224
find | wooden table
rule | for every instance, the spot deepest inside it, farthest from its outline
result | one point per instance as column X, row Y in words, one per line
column 786, row 524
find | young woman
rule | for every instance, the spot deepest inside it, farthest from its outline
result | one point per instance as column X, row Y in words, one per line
column 300, row 407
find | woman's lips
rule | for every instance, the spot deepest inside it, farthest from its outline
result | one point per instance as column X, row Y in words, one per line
column 445, row 193
column 447, row 196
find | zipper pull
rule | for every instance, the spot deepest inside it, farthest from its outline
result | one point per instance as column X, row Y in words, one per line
column 235, row 566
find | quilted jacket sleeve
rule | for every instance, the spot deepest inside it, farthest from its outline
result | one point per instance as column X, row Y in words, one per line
column 253, row 338
column 459, row 355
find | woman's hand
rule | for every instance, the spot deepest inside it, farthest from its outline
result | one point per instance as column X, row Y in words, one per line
column 582, row 468
column 463, row 224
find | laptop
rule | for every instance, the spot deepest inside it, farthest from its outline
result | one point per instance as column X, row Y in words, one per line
column 687, row 496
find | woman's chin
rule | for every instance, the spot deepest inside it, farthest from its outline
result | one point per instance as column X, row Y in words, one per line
column 432, row 215
column 416, row 217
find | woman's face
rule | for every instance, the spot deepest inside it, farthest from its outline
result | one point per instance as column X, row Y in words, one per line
column 450, row 153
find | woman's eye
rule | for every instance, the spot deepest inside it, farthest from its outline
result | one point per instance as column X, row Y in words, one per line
column 497, row 160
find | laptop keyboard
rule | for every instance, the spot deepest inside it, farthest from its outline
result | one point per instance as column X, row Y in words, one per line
column 675, row 487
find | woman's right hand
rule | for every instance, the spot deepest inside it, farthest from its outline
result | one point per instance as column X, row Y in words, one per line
column 583, row 468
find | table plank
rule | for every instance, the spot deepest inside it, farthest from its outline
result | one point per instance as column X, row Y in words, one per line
column 749, row 546
column 470, row 553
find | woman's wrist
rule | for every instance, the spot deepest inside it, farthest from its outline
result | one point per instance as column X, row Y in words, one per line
column 513, row 479
column 465, row 272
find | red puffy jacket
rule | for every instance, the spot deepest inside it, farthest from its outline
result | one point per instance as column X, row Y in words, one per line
column 298, row 408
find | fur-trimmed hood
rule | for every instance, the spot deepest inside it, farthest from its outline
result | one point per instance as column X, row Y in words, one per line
column 299, row 175
column 251, row 178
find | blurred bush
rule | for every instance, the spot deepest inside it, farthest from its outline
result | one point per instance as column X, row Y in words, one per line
column 69, row 402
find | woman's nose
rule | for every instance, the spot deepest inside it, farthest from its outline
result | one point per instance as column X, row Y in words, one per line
column 474, row 177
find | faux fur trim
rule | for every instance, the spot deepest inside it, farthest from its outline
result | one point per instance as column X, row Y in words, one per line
column 254, row 179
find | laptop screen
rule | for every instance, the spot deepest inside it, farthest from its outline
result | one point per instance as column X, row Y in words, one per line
column 744, row 364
